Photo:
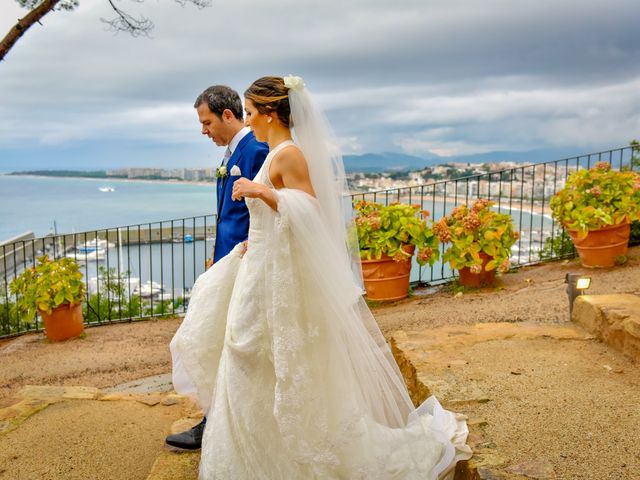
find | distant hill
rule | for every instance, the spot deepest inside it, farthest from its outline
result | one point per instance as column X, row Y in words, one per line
column 389, row 161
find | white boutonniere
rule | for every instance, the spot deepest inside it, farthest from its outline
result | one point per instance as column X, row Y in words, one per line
column 221, row 171
column 235, row 171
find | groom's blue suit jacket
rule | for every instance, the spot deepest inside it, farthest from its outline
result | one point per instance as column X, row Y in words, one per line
column 233, row 216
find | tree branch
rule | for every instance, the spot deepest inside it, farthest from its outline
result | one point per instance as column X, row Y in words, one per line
column 24, row 24
column 127, row 23
column 122, row 22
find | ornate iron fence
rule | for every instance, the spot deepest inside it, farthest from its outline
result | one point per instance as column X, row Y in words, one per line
column 147, row 270
column 132, row 272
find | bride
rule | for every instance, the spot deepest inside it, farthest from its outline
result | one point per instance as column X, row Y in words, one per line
column 278, row 346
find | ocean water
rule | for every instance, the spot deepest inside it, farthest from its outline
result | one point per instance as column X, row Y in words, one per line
column 76, row 204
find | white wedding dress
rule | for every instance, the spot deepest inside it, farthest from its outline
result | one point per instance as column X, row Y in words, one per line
column 284, row 357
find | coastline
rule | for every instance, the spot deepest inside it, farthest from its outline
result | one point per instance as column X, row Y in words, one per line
column 115, row 179
column 515, row 205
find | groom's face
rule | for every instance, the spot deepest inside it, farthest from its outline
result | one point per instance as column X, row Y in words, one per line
column 213, row 126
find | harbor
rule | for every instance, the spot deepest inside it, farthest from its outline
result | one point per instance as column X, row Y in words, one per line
column 129, row 271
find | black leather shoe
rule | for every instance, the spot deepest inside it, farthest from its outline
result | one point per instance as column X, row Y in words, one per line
column 189, row 440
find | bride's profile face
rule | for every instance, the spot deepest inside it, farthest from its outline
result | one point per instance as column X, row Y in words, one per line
column 256, row 121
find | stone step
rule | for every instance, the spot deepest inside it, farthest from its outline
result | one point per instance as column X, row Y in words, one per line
column 613, row 319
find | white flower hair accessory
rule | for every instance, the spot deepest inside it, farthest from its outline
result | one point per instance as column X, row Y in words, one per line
column 235, row 171
column 294, row 83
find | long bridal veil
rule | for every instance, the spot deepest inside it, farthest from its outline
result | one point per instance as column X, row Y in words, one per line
column 331, row 265
column 359, row 354
column 314, row 135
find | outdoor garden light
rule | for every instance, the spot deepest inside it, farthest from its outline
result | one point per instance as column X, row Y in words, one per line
column 583, row 283
column 576, row 285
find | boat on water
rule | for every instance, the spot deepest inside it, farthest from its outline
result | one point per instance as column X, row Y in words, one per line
column 152, row 290
column 187, row 238
column 107, row 189
column 100, row 284
column 90, row 251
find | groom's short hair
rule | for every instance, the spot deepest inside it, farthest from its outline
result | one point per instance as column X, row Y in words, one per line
column 220, row 98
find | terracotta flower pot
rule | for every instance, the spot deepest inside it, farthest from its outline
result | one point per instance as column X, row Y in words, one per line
column 64, row 322
column 483, row 279
column 385, row 279
column 600, row 248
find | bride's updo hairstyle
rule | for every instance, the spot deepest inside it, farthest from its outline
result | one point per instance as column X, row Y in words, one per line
column 269, row 94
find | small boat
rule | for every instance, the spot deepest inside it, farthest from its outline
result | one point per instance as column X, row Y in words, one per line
column 107, row 189
column 101, row 282
column 188, row 238
column 149, row 289
column 90, row 251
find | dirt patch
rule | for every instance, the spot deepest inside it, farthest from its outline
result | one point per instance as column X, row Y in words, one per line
column 568, row 403
column 531, row 294
column 87, row 439
column 109, row 355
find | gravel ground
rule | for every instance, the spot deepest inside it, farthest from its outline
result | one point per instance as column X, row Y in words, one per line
column 86, row 440
column 525, row 417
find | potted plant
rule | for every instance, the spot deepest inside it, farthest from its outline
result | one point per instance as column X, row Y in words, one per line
column 480, row 241
column 388, row 236
column 55, row 290
column 596, row 207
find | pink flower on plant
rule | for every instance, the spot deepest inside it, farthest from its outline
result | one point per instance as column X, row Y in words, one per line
column 375, row 222
column 472, row 221
column 459, row 212
column 475, row 268
column 505, row 265
column 442, row 230
column 604, row 166
column 425, row 254
column 480, row 204
column 596, row 191
column 400, row 257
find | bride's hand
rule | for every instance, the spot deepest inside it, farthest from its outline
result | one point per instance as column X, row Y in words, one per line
column 245, row 188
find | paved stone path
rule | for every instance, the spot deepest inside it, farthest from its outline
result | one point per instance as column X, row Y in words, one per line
column 509, row 379
column 533, row 393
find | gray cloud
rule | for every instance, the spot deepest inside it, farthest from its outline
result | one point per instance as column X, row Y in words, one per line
column 451, row 77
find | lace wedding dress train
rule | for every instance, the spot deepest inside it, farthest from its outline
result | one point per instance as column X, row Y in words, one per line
column 282, row 353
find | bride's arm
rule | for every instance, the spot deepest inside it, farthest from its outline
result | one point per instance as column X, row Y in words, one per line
column 288, row 170
column 245, row 188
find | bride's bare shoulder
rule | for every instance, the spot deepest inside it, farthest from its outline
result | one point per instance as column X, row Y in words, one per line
column 290, row 160
column 290, row 170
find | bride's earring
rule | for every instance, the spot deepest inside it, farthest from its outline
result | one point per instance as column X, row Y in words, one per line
column 269, row 119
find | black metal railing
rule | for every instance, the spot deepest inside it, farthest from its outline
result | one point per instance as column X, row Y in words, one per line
column 147, row 270
column 523, row 192
column 131, row 272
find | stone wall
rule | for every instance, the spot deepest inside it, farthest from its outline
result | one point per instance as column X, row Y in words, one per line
column 614, row 319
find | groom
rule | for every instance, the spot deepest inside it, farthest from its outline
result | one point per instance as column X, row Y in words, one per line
column 221, row 115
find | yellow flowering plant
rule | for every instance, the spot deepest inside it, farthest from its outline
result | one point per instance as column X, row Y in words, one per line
column 386, row 229
column 596, row 198
column 472, row 231
column 46, row 286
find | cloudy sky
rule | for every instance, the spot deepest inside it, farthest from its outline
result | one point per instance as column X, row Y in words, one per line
column 412, row 76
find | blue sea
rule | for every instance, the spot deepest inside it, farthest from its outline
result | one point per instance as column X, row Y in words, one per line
column 33, row 204
column 76, row 204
